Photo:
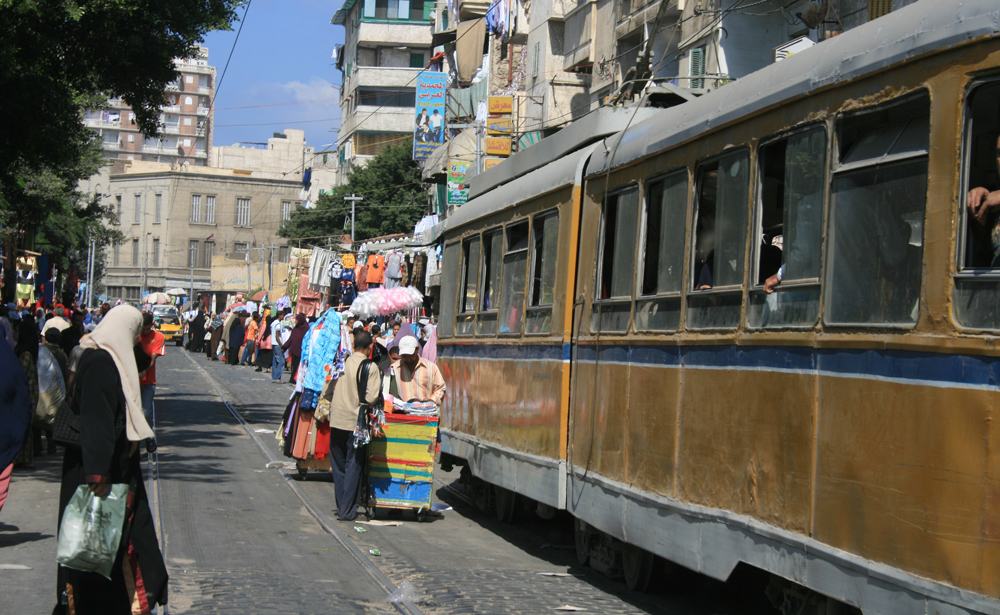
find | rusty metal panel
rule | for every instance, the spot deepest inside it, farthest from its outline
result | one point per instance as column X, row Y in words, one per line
column 498, row 397
column 652, row 428
column 746, row 443
column 903, row 477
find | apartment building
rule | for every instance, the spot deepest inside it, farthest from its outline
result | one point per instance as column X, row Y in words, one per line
column 185, row 120
column 177, row 217
column 562, row 59
column 387, row 43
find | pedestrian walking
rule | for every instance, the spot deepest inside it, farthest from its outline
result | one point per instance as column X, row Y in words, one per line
column 110, row 405
column 152, row 344
column 26, row 351
column 264, row 347
column 293, row 347
column 196, row 332
column 361, row 383
column 234, row 340
column 227, row 326
column 250, row 339
column 218, row 326
column 15, row 415
column 278, row 355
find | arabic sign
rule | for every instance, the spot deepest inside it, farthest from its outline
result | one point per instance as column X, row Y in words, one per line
column 499, row 125
column 489, row 163
column 501, row 104
column 458, row 189
column 498, row 146
column 429, row 130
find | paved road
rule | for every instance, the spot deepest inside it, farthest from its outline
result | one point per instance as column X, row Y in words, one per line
column 239, row 540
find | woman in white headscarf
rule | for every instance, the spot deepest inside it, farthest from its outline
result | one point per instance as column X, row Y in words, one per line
column 106, row 391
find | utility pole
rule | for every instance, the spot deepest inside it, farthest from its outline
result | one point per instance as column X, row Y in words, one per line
column 191, row 263
column 353, row 199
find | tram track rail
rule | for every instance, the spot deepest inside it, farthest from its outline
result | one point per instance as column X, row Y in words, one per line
column 324, row 521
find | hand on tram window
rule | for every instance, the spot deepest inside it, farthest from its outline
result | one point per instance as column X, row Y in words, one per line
column 980, row 201
column 770, row 283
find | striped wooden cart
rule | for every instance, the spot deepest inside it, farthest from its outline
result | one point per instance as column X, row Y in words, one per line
column 401, row 465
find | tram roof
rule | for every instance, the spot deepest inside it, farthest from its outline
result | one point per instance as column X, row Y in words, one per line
column 549, row 178
column 912, row 31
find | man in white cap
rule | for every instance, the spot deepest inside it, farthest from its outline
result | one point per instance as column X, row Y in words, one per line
column 417, row 378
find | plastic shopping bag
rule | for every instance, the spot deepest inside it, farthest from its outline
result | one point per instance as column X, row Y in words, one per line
column 51, row 389
column 92, row 529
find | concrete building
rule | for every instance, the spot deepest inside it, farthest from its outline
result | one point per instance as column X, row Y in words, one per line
column 565, row 58
column 285, row 156
column 176, row 218
column 387, row 43
column 185, row 120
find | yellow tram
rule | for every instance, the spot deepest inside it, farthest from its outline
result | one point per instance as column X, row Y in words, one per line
column 611, row 347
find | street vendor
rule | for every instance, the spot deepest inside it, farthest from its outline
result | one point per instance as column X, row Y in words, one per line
column 417, row 378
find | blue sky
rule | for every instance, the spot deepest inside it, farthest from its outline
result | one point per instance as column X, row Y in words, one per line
column 281, row 61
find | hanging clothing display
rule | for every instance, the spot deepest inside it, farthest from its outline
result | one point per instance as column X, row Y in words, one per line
column 308, row 301
column 361, row 278
column 376, row 269
column 417, row 276
column 348, row 261
column 405, row 269
column 393, row 270
column 319, row 265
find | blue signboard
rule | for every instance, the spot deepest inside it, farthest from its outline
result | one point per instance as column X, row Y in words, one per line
column 429, row 129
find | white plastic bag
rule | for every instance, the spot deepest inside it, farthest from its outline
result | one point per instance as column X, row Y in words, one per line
column 51, row 388
column 91, row 530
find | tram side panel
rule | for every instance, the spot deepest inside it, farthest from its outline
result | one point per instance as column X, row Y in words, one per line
column 906, row 476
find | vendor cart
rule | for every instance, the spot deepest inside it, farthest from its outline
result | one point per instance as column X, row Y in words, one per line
column 400, row 473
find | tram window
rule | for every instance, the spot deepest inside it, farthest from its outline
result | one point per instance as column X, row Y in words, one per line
column 544, row 241
column 490, row 294
column 977, row 285
column 790, row 231
column 469, row 287
column 616, row 261
column 878, row 198
column 515, row 264
column 449, row 288
column 662, row 263
column 720, row 242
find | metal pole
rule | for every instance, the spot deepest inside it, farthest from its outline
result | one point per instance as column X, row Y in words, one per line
column 90, row 273
column 353, row 199
column 191, row 263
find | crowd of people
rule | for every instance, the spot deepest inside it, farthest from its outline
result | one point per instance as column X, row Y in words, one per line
column 106, row 371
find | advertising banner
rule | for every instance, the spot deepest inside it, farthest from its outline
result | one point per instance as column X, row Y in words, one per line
column 429, row 130
column 499, row 125
column 458, row 189
column 498, row 146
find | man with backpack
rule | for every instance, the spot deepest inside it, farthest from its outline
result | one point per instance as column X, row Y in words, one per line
column 361, row 383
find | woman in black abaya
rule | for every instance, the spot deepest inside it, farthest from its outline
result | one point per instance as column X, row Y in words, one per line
column 106, row 391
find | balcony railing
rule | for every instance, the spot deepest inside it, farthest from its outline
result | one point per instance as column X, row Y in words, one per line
column 92, row 122
column 159, row 149
column 172, row 109
column 113, row 146
column 173, row 87
column 202, row 110
column 200, row 153
column 204, row 90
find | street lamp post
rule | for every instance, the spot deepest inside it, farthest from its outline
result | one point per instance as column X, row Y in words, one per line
column 353, row 199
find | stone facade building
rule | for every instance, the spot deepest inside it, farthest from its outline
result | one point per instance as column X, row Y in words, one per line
column 176, row 218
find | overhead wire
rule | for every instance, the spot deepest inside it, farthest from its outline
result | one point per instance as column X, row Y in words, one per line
column 218, row 85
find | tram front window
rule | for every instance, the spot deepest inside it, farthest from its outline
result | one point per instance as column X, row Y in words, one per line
column 977, row 285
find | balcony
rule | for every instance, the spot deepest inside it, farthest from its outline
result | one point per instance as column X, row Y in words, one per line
column 379, row 119
column 160, row 149
column 381, row 76
column 204, row 90
column 200, row 153
column 111, row 146
column 394, row 34
column 172, row 128
column 202, row 110
column 171, row 109
column 201, row 131
column 173, row 87
column 579, row 34
column 91, row 122
column 188, row 67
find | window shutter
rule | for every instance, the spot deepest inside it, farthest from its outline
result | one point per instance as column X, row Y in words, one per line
column 697, row 66
column 878, row 8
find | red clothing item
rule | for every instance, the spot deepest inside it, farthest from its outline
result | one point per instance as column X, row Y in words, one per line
column 152, row 344
column 376, row 269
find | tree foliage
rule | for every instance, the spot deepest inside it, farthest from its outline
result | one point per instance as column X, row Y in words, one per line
column 393, row 202
column 59, row 58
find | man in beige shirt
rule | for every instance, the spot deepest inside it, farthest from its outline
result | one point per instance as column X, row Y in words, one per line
column 346, row 460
